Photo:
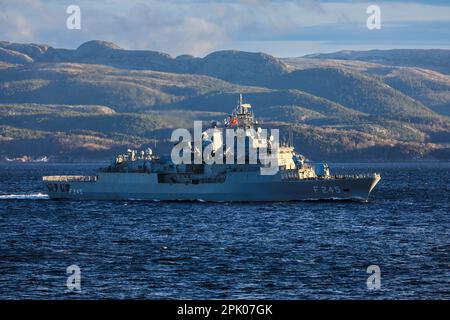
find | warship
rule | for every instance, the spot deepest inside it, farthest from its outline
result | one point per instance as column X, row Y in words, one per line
column 145, row 176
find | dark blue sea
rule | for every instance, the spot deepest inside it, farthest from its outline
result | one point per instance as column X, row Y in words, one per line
column 297, row 250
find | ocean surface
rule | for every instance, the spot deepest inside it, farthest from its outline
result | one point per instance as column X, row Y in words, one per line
column 296, row 250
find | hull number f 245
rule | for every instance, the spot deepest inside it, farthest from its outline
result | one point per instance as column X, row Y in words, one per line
column 326, row 190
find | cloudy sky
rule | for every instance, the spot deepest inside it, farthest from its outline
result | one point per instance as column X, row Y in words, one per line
column 279, row 27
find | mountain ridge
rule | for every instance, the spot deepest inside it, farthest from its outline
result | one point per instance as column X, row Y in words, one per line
column 433, row 59
column 347, row 106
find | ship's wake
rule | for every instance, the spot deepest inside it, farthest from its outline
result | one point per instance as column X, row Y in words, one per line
column 25, row 196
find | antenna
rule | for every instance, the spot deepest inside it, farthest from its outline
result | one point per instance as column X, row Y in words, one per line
column 291, row 138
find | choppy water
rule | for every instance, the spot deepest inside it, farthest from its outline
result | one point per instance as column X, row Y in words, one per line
column 299, row 250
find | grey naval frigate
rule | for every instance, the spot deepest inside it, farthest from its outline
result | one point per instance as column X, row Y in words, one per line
column 145, row 176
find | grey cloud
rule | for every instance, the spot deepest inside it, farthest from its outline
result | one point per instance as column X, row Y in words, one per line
column 196, row 26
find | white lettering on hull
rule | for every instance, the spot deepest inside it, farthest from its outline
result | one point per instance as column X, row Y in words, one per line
column 327, row 190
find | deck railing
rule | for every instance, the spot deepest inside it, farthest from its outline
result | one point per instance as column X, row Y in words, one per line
column 293, row 175
column 69, row 178
column 356, row 176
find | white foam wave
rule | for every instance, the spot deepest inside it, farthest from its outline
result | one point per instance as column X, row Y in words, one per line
column 28, row 196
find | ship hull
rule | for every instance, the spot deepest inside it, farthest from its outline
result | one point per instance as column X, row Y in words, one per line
column 238, row 188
